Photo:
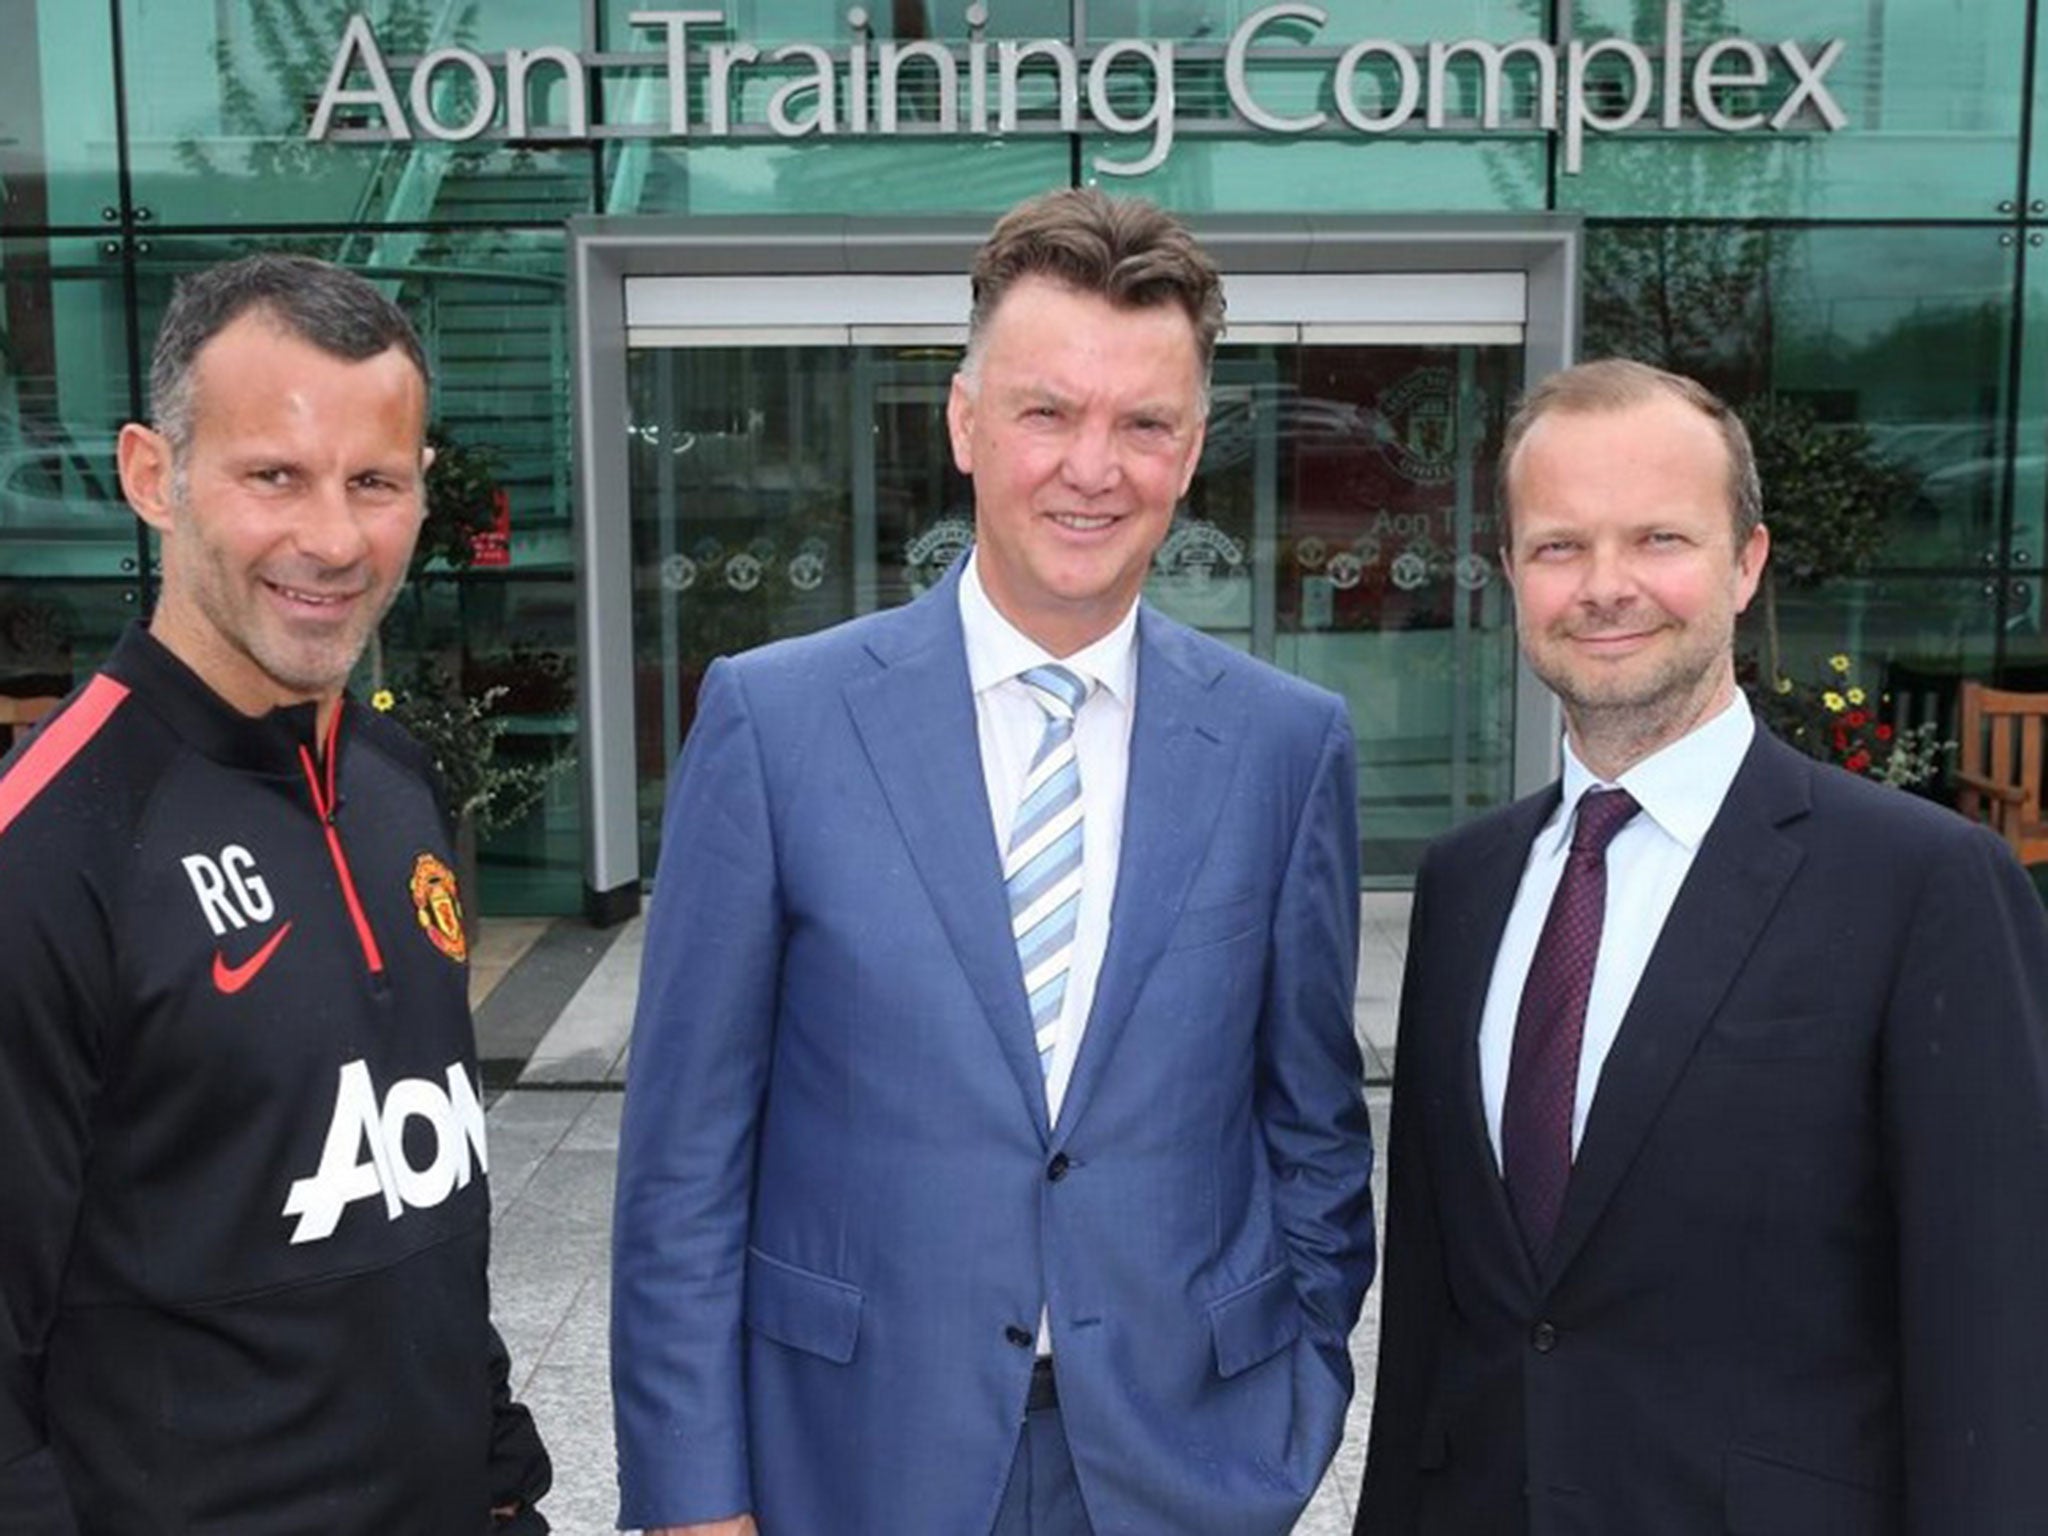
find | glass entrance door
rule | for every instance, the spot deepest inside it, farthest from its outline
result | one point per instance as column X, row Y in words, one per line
column 1340, row 526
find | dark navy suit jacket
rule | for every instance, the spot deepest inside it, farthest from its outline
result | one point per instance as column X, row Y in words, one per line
column 1800, row 1282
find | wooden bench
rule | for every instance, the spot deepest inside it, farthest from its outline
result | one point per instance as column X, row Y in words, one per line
column 18, row 715
column 1998, row 769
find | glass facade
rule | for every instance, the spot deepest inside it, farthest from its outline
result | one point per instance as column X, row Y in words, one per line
column 776, row 490
column 1890, row 278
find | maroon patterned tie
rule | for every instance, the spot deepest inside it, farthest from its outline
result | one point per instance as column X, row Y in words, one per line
column 1543, row 1072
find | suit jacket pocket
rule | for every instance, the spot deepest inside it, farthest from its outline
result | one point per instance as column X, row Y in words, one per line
column 1774, row 1498
column 1217, row 923
column 802, row 1308
column 1781, row 1037
column 1255, row 1322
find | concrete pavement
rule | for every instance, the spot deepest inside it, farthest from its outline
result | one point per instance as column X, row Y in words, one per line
column 554, row 1011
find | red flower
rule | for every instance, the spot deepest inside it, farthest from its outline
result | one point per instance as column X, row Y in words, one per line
column 1884, row 733
column 1841, row 739
column 1856, row 719
column 1857, row 762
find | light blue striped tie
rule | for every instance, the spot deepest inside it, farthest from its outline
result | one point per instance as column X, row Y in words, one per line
column 1042, row 870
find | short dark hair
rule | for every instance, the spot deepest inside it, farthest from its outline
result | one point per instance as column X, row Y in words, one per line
column 328, row 306
column 1615, row 384
column 1125, row 250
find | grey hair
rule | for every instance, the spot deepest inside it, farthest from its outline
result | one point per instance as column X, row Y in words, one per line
column 1125, row 250
column 327, row 306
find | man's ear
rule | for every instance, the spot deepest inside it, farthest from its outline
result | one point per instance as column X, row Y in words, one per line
column 1199, row 436
column 426, row 462
column 960, row 403
column 1749, row 565
column 148, row 469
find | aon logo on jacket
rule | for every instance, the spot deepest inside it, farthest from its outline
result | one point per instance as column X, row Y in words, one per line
column 365, row 1156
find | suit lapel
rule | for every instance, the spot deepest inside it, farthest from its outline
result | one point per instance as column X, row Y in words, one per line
column 1480, row 894
column 915, row 717
column 1726, row 902
column 1183, row 755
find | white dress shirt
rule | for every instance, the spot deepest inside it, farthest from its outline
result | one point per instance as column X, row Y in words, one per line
column 1010, row 725
column 1680, row 789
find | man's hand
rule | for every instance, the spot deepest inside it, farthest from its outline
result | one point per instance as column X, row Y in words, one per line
column 739, row 1525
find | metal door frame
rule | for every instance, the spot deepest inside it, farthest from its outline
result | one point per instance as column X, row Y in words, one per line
column 604, row 253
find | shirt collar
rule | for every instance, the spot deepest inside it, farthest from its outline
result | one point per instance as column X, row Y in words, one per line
column 997, row 650
column 267, row 744
column 1680, row 787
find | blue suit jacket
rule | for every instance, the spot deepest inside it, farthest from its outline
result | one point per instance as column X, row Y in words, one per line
column 840, row 1204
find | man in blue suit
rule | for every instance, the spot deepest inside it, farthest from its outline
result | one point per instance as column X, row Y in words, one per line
column 994, row 1154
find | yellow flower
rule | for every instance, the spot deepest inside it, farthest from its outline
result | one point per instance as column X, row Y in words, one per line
column 1834, row 701
column 1856, row 695
column 1839, row 662
column 1784, row 685
column 382, row 700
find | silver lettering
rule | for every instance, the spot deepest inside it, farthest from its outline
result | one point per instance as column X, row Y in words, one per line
column 359, row 38
column 519, row 63
column 1239, row 87
column 1809, row 84
column 1347, row 86
column 1578, row 110
column 675, row 27
column 818, row 88
column 1158, row 117
column 1493, row 58
column 892, row 58
column 1011, row 58
column 422, row 95
column 1707, row 79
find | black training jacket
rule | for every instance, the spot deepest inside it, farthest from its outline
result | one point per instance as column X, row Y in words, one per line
column 243, row 1216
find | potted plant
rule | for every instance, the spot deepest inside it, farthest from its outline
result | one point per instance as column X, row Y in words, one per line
column 484, row 790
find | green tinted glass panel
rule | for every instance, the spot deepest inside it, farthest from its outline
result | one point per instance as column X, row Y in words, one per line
column 1930, row 95
column 1331, row 174
column 489, row 307
column 69, row 550
column 1411, row 22
column 58, row 156
column 508, row 634
column 2026, row 634
column 874, row 177
column 2029, row 545
column 1902, row 332
column 2037, row 192
column 220, row 99
column 1933, row 625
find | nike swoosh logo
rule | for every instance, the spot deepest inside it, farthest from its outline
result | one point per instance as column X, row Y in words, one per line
column 230, row 979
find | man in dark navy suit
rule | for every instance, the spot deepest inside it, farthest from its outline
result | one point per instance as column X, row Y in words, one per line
column 1719, row 1162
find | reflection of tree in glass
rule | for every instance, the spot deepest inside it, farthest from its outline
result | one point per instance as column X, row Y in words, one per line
column 1693, row 297
column 296, row 40
column 1826, row 492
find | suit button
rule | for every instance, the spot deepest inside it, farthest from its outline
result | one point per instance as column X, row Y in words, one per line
column 1544, row 1337
column 1057, row 1168
column 1018, row 1336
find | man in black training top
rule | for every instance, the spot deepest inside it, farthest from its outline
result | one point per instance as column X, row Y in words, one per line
column 241, row 1144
